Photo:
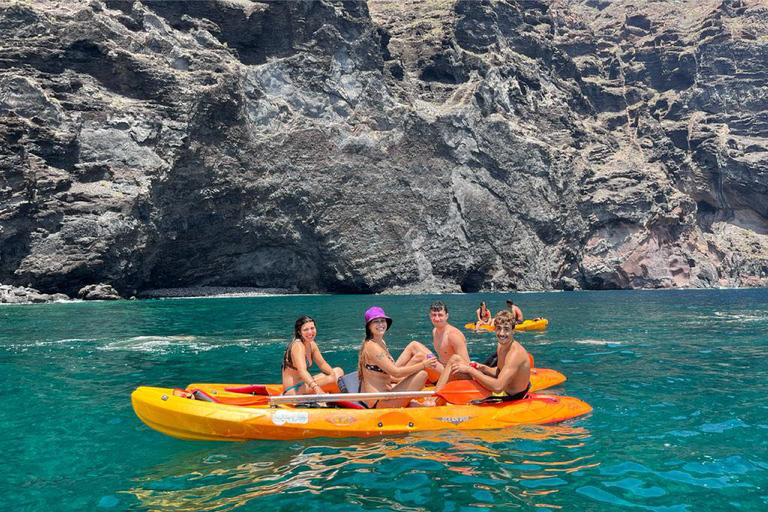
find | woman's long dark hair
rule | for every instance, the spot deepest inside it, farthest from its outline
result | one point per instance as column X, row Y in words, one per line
column 368, row 337
column 287, row 360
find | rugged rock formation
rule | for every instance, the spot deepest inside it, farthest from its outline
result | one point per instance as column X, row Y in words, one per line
column 383, row 146
column 25, row 295
column 98, row 292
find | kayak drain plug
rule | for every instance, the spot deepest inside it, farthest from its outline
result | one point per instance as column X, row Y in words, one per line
column 164, row 397
column 381, row 424
column 410, row 424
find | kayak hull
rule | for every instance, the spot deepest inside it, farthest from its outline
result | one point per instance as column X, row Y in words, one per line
column 198, row 420
column 527, row 325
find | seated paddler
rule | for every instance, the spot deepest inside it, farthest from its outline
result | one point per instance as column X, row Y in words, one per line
column 511, row 379
column 378, row 370
column 301, row 353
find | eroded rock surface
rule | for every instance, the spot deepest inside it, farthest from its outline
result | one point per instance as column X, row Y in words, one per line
column 25, row 295
column 98, row 292
column 383, row 146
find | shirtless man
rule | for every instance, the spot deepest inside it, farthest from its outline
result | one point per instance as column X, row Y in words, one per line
column 511, row 379
column 515, row 311
column 447, row 340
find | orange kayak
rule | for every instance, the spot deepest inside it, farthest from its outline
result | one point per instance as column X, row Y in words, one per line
column 541, row 378
column 183, row 418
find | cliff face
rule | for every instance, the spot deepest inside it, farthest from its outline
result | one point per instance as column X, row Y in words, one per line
column 383, row 146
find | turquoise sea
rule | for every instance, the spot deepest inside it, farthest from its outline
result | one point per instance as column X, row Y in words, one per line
column 677, row 380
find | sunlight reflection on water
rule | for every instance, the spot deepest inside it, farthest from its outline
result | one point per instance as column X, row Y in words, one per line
column 524, row 463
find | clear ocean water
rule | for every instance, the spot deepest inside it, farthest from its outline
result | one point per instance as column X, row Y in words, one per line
column 677, row 380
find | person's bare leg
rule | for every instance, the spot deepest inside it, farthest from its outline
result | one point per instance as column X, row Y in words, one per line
column 446, row 376
column 407, row 355
column 413, row 382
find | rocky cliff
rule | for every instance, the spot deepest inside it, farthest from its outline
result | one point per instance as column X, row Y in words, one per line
column 383, row 145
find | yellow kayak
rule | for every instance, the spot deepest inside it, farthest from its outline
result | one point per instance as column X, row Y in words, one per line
column 177, row 416
column 539, row 324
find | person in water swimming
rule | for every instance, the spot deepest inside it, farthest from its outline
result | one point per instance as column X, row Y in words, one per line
column 299, row 356
column 378, row 370
column 511, row 379
column 483, row 316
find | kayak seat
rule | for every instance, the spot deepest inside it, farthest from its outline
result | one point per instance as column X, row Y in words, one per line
column 349, row 383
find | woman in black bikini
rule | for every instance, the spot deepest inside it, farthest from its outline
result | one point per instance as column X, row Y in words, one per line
column 378, row 370
column 298, row 358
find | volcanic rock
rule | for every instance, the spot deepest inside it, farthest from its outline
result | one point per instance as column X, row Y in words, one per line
column 383, row 146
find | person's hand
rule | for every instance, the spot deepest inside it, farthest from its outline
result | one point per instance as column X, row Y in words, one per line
column 430, row 362
column 460, row 368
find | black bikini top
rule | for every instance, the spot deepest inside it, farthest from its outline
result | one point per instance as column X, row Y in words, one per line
column 376, row 368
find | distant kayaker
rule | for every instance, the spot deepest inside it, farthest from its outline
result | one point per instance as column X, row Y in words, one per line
column 511, row 378
column 299, row 356
column 378, row 370
column 483, row 316
column 515, row 311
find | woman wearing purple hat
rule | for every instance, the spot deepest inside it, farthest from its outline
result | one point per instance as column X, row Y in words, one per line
column 378, row 370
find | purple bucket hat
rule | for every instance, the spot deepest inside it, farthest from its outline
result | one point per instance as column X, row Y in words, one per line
column 376, row 312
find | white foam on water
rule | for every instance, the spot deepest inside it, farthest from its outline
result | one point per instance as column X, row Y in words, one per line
column 159, row 344
column 598, row 342
column 740, row 317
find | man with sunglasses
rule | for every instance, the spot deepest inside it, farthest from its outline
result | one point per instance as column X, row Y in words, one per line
column 511, row 379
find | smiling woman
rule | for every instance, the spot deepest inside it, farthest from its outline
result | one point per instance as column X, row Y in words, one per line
column 380, row 372
column 299, row 355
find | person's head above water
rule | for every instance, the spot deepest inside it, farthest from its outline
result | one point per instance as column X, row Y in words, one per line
column 375, row 313
column 304, row 328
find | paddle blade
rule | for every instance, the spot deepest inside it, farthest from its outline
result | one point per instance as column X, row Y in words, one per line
column 462, row 392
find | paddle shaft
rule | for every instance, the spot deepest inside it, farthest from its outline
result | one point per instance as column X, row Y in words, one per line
column 337, row 397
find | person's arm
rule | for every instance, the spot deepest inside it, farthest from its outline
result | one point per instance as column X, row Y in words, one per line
column 379, row 357
column 494, row 384
column 298, row 355
column 320, row 360
column 478, row 316
column 459, row 344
